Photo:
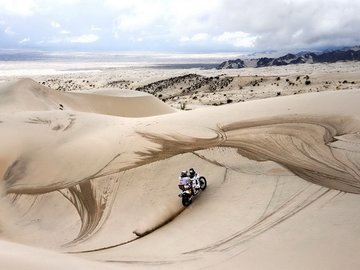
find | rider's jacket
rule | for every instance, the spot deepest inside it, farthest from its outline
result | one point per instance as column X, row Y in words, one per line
column 195, row 181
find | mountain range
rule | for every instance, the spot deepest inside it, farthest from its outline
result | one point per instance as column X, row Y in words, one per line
column 346, row 54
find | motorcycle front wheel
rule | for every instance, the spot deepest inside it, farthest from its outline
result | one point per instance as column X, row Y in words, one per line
column 186, row 200
column 203, row 182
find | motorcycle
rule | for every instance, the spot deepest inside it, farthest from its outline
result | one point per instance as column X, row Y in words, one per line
column 198, row 184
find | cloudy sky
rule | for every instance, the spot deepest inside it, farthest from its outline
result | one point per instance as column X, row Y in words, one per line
column 178, row 25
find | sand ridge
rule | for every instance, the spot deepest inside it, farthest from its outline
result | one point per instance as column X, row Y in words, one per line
column 27, row 95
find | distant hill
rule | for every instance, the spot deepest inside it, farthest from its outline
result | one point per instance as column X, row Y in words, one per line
column 346, row 54
column 238, row 63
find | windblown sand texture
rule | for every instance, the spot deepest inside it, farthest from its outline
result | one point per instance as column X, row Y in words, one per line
column 89, row 181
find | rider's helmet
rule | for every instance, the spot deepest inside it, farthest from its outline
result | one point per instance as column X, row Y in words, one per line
column 191, row 172
column 183, row 174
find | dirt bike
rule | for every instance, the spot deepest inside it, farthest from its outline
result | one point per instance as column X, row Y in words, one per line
column 198, row 184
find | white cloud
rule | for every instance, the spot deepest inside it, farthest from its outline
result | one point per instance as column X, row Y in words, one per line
column 185, row 39
column 291, row 23
column 18, row 7
column 135, row 15
column 123, row 5
column 55, row 40
column 137, row 39
column 199, row 37
column 9, row 31
column 75, row 39
column 239, row 23
column 64, row 32
column 237, row 39
column 84, row 39
column 131, row 23
column 95, row 29
column 298, row 33
column 189, row 16
column 169, row 24
column 138, row 19
column 55, row 24
column 25, row 40
column 167, row 17
column 28, row 8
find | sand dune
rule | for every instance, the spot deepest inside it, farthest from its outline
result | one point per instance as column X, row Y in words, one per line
column 97, row 178
column 27, row 95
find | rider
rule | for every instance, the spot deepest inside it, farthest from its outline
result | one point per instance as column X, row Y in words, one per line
column 192, row 173
column 184, row 181
column 194, row 179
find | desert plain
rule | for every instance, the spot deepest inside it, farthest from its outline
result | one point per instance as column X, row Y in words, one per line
column 89, row 166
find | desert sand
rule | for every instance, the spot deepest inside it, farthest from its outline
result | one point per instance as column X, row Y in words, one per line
column 89, row 173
